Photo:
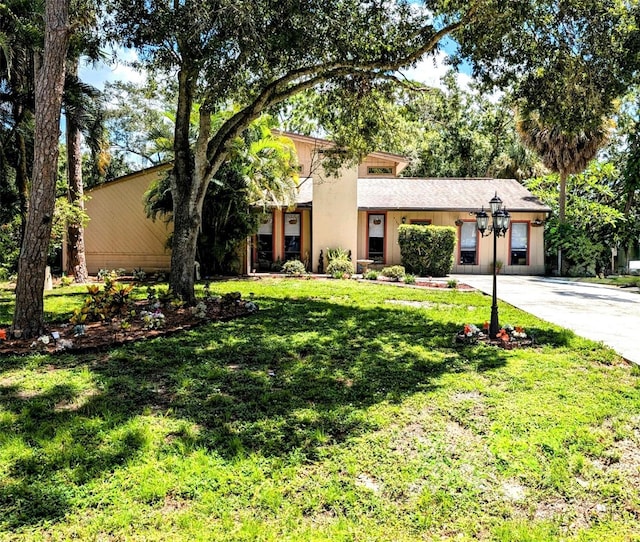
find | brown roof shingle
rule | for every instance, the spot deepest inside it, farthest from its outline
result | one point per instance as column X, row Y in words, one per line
column 445, row 194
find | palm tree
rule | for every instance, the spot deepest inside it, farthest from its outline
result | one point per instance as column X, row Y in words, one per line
column 83, row 111
column 562, row 151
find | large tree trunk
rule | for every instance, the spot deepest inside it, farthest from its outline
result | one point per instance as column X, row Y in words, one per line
column 76, row 259
column 29, row 310
column 185, row 187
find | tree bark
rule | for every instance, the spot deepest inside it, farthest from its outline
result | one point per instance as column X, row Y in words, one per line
column 562, row 211
column 184, row 189
column 29, row 309
column 76, row 259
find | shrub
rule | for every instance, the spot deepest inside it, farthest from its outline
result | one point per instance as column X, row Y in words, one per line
column 337, row 254
column 65, row 280
column 372, row 275
column 395, row 272
column 139, row 275
column 294, row 268
column 427, row 250
column 340, row 268
column 452, row 283
column 409, row 279
column 105, row 305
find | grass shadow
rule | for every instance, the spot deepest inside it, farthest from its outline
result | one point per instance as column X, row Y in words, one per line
column 299, row 375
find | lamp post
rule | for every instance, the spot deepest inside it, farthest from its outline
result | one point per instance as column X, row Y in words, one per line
column 499, row 226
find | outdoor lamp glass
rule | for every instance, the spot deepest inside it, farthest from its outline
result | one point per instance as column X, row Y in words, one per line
column 482, row 221
column 496, row 204
column 501, row 220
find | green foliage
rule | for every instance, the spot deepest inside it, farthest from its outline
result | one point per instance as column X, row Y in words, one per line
column 452, row 283
column 340, row 267
column 113, row 301
column 427, row 250
column 337, row 254
column 332, row 412
column 372, row 275
column 139, row 274
column 10, row 245
column 294, row 268
column 394, row 272
column 339, row 264
column 594, row 217
column 409, row 279
column 260, row 171
column 582, row 255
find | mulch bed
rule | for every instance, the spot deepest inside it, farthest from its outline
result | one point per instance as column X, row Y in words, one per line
column 461, row 339
column 102, row 335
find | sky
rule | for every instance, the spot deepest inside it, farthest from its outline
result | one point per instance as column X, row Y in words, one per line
column 428, row 71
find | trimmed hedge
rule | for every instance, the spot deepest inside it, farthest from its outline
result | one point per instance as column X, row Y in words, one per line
column 427, row 251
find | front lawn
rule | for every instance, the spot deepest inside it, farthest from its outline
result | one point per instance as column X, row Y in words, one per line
column 340, row 411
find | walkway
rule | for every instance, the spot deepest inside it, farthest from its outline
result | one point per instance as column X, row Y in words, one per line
column 600, row 313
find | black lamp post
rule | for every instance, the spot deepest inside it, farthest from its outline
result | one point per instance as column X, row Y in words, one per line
column 499, row 227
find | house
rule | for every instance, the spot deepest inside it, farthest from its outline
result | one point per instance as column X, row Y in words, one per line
column 358, row 210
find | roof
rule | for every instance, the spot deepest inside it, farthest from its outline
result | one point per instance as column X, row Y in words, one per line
column 400, row 160
column 441, row 194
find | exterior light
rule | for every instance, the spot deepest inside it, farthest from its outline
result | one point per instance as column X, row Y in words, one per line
column 501, row 220
column 482, row 221
column 495, row 203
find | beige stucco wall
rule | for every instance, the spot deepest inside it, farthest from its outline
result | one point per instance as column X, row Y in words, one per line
column 119, row 234
column 485, row 244
column 335, row 213
column 363, row 168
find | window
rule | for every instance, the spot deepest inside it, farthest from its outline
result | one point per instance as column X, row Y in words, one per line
column 468, row 243
column 380, row 170
column 265, row 243
column 519, row 243
column 292, row 236
column 376, row 238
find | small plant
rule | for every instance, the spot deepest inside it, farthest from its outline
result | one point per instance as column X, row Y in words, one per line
column 470, row 334
column 499, row 265
column 452, row 283
column 112, row 302
column 152, row 320
column 294, row 268
column 338, row 254
column 139, row 275
column 395, row 272
column 230, row 299
column 409, row 279
column 200, row 310
column 372, row 275
column 340, row 268
column 65, row 280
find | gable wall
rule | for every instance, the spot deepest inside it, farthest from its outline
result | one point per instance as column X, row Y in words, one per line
column 119, row 234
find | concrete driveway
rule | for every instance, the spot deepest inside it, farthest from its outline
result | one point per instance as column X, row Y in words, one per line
column 601, row 313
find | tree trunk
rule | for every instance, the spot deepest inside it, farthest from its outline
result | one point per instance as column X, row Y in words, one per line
column 562, row 212
column 187, row 213
column 562, row 198
column 29, row 309
column 76, row 259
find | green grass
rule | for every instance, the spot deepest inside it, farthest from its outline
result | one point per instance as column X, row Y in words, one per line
column 623, row 281
column 340, row 411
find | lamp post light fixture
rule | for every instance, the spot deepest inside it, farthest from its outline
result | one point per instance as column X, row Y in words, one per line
column 499, row 226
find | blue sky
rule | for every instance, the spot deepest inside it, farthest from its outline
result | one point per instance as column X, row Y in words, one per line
column 429, row 71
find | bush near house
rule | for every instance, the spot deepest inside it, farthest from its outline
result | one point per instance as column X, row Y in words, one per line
column 427, row 250
column 395, row 272
column 340, row 264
